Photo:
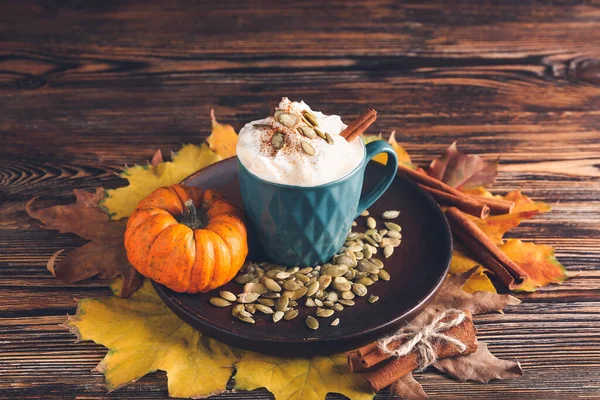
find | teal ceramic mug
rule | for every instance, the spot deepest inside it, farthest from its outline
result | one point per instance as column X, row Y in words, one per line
column 305, row 226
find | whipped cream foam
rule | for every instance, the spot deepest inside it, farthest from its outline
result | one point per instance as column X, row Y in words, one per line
column 290, row 165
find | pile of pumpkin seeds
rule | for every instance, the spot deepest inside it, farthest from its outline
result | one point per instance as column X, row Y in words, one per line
column 306, row 124
column 278, row 291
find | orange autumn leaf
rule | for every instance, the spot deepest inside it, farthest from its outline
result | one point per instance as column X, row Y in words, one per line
column 496, row 226
column 223, row 139
column 403, row 157
column 538, row 261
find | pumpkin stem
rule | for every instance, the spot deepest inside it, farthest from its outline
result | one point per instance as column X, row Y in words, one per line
column 190, row 215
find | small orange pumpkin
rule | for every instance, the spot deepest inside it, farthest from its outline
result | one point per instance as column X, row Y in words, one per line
column 187, row 239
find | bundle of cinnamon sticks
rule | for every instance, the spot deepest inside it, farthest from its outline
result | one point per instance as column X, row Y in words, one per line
column 383, row 370
column 475, row 205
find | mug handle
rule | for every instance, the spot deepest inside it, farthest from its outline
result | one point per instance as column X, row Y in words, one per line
column 391, row 167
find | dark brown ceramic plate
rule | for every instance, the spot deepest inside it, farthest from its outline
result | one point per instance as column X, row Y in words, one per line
column 418, row 268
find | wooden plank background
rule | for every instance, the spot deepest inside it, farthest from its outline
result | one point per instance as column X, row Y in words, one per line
column 88, row 86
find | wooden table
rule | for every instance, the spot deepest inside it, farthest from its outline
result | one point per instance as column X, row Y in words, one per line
column 88, row 86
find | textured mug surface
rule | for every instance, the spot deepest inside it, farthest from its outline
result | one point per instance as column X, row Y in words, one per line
column 305, row 226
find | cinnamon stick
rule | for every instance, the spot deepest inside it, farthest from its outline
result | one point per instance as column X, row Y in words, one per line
column 446, row 194
column 398, row 367
column 497, row 206
column 463, row 203
column 486, row 251
column 360, row 125
column 354, row 362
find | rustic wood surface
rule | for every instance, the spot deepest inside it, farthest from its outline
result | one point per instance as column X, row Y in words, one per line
column 88, row 86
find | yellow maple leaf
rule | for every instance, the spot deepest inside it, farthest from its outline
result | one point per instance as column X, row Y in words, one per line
column 143, row 335
column 479, row 280
column 300, row 378
column 144, row 179
column 223, row 139
column 403, row 157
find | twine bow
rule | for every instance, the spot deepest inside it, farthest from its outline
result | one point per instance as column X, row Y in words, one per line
column 420, row 338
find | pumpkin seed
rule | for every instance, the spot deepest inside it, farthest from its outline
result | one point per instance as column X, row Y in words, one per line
column 282, row 275
column 368, row 252
column 378, row 263
column 272, row 295
column 237, row 309
column 296, row 294
column 271, row 284
column 335, row 322
column 393, row 227
column 312, row 323
column 372, row 299
column 324, row 312
column 390, row 214
column 320, row 133
column 371, row 222
column 384, row 275
column 291, row 285
column 252, row 287
column 346, row 260
column 244, row 278
column 307, row 148
column 370, row 232
column 364, row 213
column 248, row 320
column 324, row 281
column 302, row 278
column 304, row 270
column 307, row 131
column 286, row 119
column 367, row 266
column 267, row 302
column 227, row 295
column 347, row 295
column 278, row 140
column 340, row 283
column 290, row 314
column 310, row 117
column 335, row 270
column 394, row 234
column 389, row 241
column 350, row 274
column 332, row 296
column 374, row 277
column 388, row 251
column 293, row 303
column 277, row 315
column 347, row 302
column 338, row 307
column 352, row 235
column 376, row 237
column 264, row 309
column 371, row 241
column 318, row 302
column 382, row 232
column 246, row 298
column 359, row 289
column 312, row 288
column 251, row 308
column 354, row 223
column 354, row 249
column 328, row 303
column 310, row 303
column 328, row 138
column 359, row 275
column 282, row 303
column 366, row 281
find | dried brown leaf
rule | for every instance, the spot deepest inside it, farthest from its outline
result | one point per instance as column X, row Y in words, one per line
column 481, row 366
column 104, row 256
column 408, row 388
column 463, row 171
column 451, row 295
